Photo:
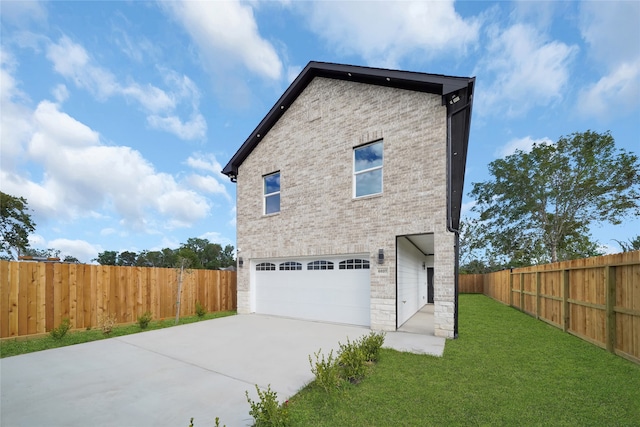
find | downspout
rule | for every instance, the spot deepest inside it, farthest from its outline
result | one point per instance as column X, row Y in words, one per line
column 450, row 227
column 452, row 230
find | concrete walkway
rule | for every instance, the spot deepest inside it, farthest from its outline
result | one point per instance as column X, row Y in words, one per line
column 167, row 376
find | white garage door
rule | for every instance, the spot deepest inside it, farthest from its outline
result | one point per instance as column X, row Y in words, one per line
column 320, row 288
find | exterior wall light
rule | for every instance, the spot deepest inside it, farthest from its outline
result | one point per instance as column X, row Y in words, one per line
column 380, row 256
column 240, row 262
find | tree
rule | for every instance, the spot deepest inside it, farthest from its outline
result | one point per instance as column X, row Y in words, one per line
column 107, row 258
column 42, row 253
column 15, row 224
column 539, row 206
column 632, row 245
column 127, row 258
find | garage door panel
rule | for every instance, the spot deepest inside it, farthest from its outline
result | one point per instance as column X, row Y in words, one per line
column 336, row 295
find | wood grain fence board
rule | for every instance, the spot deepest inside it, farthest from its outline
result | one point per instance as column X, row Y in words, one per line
column 32, row 301
column 41, row 308
column 49, row 297
column 5, row 281
column 80, row 287
column 73, row 294
column 23, row 303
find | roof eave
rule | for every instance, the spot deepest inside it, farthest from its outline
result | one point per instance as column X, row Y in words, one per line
column 431, row 83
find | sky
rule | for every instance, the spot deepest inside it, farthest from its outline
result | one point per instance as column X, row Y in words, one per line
column 117, row 117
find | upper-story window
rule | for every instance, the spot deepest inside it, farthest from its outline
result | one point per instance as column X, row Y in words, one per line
column 271, row 193
column 367, row 169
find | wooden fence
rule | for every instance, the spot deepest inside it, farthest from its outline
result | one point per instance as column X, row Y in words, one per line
column 36, row 296
column 596, row 299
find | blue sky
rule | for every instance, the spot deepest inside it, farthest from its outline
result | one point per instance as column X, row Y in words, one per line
column 117, row 117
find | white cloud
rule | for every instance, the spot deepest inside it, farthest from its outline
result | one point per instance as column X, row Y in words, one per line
column 228, row 30
column 523, row 144
column 609, row 249
column 72, row 61
column 615, row 93
column 293, row 72
column 195, row 128
column 81, row 176
column 383, row 33
column 205, row 162
column 80, row 249
column 611, row 31
column 525, row 70
column 215, row 237
column 60, row 93
column 22, row 12
column 15, row 120
column 207, row 184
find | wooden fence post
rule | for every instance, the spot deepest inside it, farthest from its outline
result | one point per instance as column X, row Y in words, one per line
column 537, row 295
column 565, row 300
column 521, row 291
column 610, row 301
column 511, row 288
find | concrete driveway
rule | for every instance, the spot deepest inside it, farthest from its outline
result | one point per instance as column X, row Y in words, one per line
column 167, row 376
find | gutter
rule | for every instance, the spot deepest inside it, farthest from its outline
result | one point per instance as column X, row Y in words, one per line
column 450, row 112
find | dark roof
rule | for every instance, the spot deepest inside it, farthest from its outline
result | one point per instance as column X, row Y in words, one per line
column 456, row 94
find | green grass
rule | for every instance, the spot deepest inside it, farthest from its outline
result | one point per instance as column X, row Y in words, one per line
column 28, row 345
column 506, row 368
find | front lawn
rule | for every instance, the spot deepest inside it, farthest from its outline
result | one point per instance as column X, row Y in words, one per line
column 14, row 347
column 506, row 368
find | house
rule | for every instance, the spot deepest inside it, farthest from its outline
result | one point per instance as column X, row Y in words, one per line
column 348, row 198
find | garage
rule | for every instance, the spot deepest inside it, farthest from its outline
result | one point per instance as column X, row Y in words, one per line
column 329, row 289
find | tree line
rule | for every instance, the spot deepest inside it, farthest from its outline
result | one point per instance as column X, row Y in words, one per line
column 198, row 254
column 16, row 224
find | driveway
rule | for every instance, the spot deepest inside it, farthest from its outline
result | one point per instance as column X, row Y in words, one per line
column 167, row 376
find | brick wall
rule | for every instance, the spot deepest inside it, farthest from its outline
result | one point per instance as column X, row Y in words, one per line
column 312, row 147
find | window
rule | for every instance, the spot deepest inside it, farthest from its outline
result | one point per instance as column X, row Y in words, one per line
column 320, row 265
column 367, row 169
column 290, row 265
column 265, row 266
column 354, row 264
column 272, row 193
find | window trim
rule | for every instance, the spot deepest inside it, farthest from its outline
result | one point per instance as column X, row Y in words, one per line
column 362, row 172
column 290, row 266
column 354, row 264
column 266, row 266
column 267, row 195
column 320, row 264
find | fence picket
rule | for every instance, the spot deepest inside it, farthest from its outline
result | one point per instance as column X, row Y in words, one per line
column 35, row 297
column 596, row 299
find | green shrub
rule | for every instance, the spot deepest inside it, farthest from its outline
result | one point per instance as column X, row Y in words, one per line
column 217, row 422
column 327, row 371
column 200, row 310
column 61, row 330
column 143, row 321
column 267, row 412
column 371, row 345
column 352, row 360
column 107, row 323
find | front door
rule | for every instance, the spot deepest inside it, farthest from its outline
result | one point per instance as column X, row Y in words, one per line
column 430, row 285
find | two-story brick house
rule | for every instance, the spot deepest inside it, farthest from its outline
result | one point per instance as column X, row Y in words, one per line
column 348, row 198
